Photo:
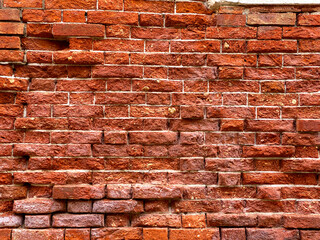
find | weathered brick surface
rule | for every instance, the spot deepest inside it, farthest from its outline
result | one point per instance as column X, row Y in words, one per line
column 158, row 120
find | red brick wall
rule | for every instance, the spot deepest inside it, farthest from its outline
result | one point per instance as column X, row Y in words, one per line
column 158, row 120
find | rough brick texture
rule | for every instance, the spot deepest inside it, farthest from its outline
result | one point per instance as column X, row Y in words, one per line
column 158, row 120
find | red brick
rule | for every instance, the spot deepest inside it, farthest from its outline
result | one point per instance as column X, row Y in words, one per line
column 271, row 19
column 308, row 20
column 66, row 30
column 264, row 234
column 79, row 206
column 155, row 192
column 309, row 234
column 117, row 206
column 262, row 46
column 77, row 234
column 301, row 32
column 23, row 234
column 232, row 233
column 155, row 234
column 78, row 191
column 68, row 4
column 116, row 233
column 268, row 32
column 37, row 221
column 110, row 4
column 301, row 221
column 11, row 28
column 23, row 3
column 268, row 151
column 231, row 60
column 155, row 33
column 74, row 16
column 184, row 234
column 231, row 220
column 192, row 7
column 83, row 58
column 231, row 32
column 189, row 20
column 157, row 220
column 231, row 20
column 32, row 15
column 78, row 220
column 38, row 206
column 126, row 18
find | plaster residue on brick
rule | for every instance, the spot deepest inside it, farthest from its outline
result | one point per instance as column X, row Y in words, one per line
column 214, row 3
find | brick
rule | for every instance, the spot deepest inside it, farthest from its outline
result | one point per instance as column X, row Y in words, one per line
column 10, row 15
column 117, row 191
column 309, row 234
column 301, row 32
column 157, row 220
column 66, row 30
column 116, row 233
column 78, row 220
column 155, row 234
column 281, row 178
column 187, row 20
column 271, row 19
column 117, row 71
column 54, row 234
column 231, row 220
column 308, row 20
column 143, row 6
column 126, row 18
column 38, row 206
column 79, row 206
column 156, row 192
column 255, row 233
column 11, row 28
column 77, row 234
column 155, row 33
column 194, row 221
column 301, row 221
column 192, row 7
column 185, row 234
column 119, row 45
column 78, row 192
column 62, row 4
column 150, row 138
column 232, row 233
column 117, row 206
column 271, row 46
column 10, row 220
column 308, row 125
column 83, row 58
column 74, row 16
column 270, row 125
column 268, row 151
column 23, row 3
column 32, row 15
column 269, row 74
column 268, row 32
column 37, row 221
column 231, row 32
column 231, row 19
column 10, row 42
column 151, row 20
